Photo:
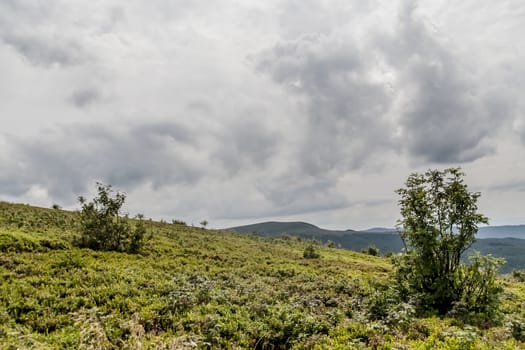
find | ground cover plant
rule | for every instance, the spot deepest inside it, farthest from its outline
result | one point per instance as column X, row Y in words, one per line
column 193, row 288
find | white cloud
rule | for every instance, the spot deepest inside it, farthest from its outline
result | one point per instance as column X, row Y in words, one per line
column 236, row 112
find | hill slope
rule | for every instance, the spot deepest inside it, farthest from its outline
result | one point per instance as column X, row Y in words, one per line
column 274, row 228
column 349, row 239
column 499, row 241
column 193, row 288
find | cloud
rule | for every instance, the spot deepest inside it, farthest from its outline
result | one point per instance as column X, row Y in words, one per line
column 69, row 159
column 447, row 117
column 510, row 186
column 371, row 90
column 375, row 89
column 246, row 143
column 291, row 195
column 84, row 97
column 44, row 51
column 345, row 107
column 251, row 109
column 29, row 29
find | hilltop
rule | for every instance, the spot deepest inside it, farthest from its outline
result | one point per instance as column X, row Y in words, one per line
column 191, row 288
column 272, row 228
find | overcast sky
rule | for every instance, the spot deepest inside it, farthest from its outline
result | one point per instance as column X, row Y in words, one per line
column 246, row 111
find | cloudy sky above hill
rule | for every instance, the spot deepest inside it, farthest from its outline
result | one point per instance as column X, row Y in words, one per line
column 245, row 111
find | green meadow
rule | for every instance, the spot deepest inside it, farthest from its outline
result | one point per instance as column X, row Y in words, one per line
column 193, row 288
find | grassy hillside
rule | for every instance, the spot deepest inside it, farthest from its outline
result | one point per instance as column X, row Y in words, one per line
column 354, row 240
column 191, row 288
column 507, row 245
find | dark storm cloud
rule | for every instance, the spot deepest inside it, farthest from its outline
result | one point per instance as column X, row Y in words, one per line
column 371, row 94
column 29, row 29
column 296, row 194
column 445, row 112
column 345, row 108
column 11, row 188
column 45, row 51
column 448, row 116
column 511, row 186
column 84, row 97
column 246, row 143
column 345, row 121
column 66, row 161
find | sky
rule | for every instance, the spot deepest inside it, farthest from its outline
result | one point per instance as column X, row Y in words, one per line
column 238, row 112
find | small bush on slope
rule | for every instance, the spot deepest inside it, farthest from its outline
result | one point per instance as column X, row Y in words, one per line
column 102, row 227
column 310, row 252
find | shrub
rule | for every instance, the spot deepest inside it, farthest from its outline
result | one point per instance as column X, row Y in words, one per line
column 103, row 228
column 516, row 326
column 371, row 250
column 518, row 275
column 439, row 224
column 310, row 252
column 478, row 285
column 283, row 327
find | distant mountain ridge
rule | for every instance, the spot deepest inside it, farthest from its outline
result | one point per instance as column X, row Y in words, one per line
column 502, row 241
column 380, row 230
column 505, row 231
column 276, row 227
column 272, row 228
column 350, row 239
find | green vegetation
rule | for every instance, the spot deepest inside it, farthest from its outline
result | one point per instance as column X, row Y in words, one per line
column 439, row 224
column 103, row 228
column 192, row 288
column 509, row 246
column 371, row 250
column 310, row 252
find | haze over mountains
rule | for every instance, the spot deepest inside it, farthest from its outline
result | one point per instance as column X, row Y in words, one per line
column 506, row 231
column 501, row 241
column 302, row 228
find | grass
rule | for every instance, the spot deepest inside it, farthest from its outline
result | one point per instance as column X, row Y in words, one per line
column 192, row 288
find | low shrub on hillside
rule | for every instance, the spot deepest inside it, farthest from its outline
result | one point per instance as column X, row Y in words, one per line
column 310, row 252
column 23, row 242
column 371, row 250
column 102, row 227
column 519, row 275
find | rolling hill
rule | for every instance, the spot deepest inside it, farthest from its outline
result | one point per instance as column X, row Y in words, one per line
column 192, row 288
column 501, row 241
column 349, row 239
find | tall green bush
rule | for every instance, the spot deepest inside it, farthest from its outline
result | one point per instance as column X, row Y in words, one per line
column 439, row 221
column 102, row 227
